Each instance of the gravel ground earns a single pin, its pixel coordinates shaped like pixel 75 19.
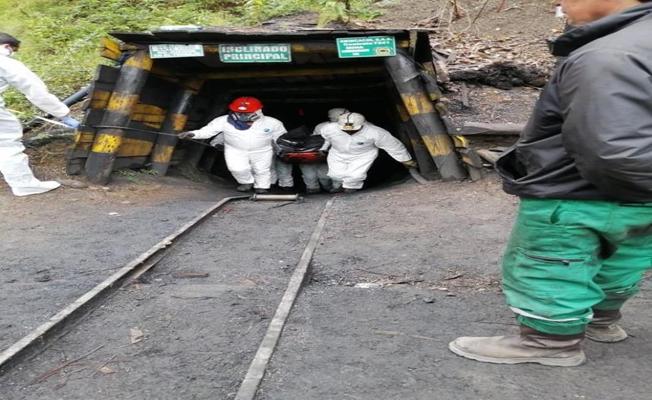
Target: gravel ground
pixel 58 245
pixel 199 333
pixel 398 274
pixel 375 323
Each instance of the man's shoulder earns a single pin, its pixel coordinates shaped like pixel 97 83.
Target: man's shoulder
pixel 8 62
pixel 634 37
pixel 375 130
pixel 271 123
pixel 329 128
pixel 605 58
pixel 633 40
pixel 219 120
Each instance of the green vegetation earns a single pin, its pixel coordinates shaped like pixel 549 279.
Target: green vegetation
pixel 60 39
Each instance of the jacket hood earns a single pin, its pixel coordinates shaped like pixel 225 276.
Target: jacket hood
pixel 581 35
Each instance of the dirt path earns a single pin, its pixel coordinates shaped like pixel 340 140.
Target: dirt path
pixel 388 296
pixel 58 245
pixel 398 274
pixel 199 334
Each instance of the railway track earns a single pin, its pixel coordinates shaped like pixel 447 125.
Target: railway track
pixel 73 316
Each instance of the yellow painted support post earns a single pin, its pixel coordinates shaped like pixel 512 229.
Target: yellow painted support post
pixel 426 119
pixel 174 123
pixel 124 98
pixel 427 167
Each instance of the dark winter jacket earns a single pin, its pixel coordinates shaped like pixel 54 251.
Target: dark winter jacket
pixel 590 136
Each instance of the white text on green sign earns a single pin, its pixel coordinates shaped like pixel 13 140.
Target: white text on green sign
pixel 368 46
pixel 256 53
pixel 175 50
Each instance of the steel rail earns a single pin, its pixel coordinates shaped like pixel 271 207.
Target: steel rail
pixel 39 336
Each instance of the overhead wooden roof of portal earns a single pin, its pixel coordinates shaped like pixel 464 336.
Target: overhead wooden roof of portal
pixel 214 35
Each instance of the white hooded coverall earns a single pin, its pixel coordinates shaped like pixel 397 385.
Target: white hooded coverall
pixel 315 174
pixel 248 153
pixel 14 164
pixel 351 156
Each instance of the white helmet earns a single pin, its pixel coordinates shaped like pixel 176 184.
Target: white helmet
pixel 351 122
pixel 334 113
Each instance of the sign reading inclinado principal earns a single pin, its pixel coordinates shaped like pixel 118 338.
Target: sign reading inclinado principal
pixel 256 53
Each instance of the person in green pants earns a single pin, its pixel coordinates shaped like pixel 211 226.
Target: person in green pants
pixel 582 240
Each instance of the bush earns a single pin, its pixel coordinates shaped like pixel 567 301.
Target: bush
pixel 60 39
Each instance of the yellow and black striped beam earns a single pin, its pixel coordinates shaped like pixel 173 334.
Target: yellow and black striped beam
pixel 174 123
pixel 421 110
pixel 119 109
pixel 427 166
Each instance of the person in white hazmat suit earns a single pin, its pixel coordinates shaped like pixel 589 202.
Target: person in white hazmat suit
pixel 315 176
pixel 354 145
pixel 14 164
pixel 248 137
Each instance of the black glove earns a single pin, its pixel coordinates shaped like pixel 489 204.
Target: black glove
pixel 186 135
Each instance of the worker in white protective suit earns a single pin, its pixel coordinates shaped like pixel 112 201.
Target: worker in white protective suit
pixel 354 145
pixel 315 176
pixel 248 137
pixel 14 164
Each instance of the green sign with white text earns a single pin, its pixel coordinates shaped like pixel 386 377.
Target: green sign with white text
pixel 256 53
pixel 368 46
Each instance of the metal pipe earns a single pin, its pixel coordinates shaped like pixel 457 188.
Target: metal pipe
pixel 74 98
pixel 275 197
pixel 417 176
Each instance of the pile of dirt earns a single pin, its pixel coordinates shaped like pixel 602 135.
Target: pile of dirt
pixel 503 63
pixel 484 41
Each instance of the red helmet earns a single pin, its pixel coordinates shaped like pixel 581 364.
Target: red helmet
pixel 245 105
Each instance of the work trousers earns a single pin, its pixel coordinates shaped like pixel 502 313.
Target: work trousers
pixel 315 174
pixel 250 167
pixel 350 171
pixel 14 164
pixel 282 173
pixel 566 258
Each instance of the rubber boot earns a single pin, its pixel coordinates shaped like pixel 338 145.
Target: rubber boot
pixel 604 327
pixel 530 346
pixel 261 191
pixel 244 187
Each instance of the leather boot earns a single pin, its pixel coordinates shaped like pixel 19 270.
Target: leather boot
pixel 530 346
pixel 604 327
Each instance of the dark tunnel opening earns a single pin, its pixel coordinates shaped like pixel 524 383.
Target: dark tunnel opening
pixel 297 104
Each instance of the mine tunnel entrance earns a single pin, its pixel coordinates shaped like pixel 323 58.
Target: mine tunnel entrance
pixel 169 82
pixel 307 104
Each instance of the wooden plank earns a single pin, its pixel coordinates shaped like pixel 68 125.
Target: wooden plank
pixel 479 128
pixel 284 73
